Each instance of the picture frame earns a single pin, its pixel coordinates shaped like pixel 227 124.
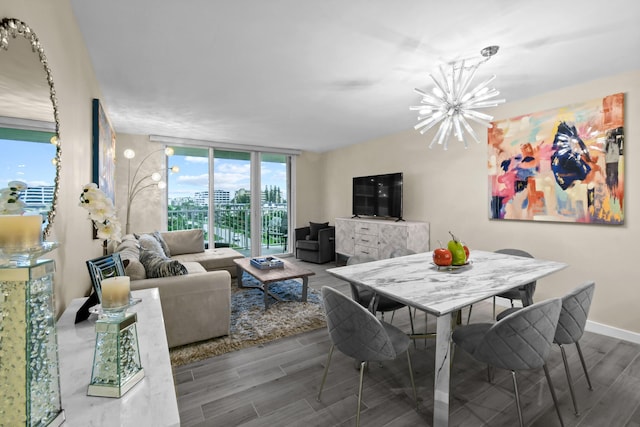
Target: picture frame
pixel 104 151
pixel 564 164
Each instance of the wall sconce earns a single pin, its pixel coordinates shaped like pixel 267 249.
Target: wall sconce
pixel 136 184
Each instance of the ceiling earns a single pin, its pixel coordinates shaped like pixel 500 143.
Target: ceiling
pixel 321 74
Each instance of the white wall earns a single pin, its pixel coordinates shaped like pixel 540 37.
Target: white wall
pixel 450 190
pixel 76 86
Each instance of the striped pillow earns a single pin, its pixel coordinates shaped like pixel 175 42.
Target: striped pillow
pixel 156 265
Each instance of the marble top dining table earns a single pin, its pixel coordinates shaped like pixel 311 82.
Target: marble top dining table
pixel 415 281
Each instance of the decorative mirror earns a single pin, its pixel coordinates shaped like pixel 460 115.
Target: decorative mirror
pixel 28 123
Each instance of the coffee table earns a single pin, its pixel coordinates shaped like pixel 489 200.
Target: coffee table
pixel 266 277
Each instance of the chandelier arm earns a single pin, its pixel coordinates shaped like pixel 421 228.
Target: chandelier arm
pixel 447 89
pixel 487 104
pixel 443 98
pixel 458 129
pixel 447 133
pixel 468 80
pixel 430 122
pixel 478 115
pixel 469 129
pixel 437 135
pixel 480 121
pixel 478 88
pixel 456 82
pixel 491 93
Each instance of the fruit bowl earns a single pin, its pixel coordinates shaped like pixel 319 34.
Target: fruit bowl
pixel 452 267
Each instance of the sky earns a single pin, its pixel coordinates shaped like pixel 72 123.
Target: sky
pixel 35 168
pixel 230 175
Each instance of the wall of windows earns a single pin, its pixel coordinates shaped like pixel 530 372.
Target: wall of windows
pixel 240 198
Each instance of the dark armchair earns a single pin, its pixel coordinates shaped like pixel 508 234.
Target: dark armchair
pixel 316 243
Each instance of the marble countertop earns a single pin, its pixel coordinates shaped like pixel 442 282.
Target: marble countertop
pixel 151 402
pixel 416 281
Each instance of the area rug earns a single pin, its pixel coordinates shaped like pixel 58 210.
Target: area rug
pixel 251 325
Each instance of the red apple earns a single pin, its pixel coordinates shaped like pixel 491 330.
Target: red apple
pixel 442 257
pixel 466 251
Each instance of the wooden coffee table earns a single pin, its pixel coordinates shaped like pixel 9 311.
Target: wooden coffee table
pixel 266 277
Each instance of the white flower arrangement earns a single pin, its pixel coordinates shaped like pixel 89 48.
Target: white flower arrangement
pixel 10 203
pixel 101 212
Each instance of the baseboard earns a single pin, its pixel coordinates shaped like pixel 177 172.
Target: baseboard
pixel 595 327
pixel 613 332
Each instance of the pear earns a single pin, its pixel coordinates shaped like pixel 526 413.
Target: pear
pixel 457 251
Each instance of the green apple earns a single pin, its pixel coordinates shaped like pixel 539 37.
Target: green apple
pixel 457 251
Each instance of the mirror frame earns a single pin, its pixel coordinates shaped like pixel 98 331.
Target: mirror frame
pixel 11 28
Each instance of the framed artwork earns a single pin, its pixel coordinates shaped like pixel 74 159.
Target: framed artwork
pixel 104 151
pixel 564 164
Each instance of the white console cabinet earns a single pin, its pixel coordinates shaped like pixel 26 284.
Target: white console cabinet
pixel 378 238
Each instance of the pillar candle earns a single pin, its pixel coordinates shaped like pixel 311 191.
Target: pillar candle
pixel 115 292
pixel 20 231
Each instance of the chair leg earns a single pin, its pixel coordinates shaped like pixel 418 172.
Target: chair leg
pixel 494 308
pixel 469 315
pixel 413 384
pixel 362 365
pixel 584 365
pixel 412 330
pixel 326 369
pixel 515 389
pixel 569 380
pixel 553 393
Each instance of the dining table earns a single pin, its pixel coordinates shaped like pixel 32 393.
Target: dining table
pixel 416 281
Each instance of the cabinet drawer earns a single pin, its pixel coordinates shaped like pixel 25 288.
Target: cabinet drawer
pixel 366 251
pixel 366 240
pixel 366 228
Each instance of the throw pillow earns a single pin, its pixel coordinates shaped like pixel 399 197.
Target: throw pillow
pixel 314 227
pixel 158 266
pixel 150 243
pixel 162 242
pixel 129 251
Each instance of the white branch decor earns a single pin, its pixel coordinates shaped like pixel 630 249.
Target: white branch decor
pixel 452 104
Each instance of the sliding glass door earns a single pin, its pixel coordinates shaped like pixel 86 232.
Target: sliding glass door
pixel 241 196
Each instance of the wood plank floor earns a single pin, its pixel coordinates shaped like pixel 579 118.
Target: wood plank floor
pixel 276 384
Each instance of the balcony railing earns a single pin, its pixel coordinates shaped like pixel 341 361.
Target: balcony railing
pixel 232 225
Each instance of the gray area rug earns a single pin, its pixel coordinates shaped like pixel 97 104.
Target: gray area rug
pixel 252 325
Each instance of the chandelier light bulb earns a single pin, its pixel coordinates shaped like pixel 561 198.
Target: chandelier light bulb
pixel 129 153
pixel 452 104
pixel 175 169
pixel 168 151
pixel 162 185
pixel 156 176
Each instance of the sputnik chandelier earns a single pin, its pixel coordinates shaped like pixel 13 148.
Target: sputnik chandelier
pixel 452 104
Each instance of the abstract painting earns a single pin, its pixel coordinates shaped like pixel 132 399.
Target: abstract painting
pixel 104 151
pixel 564 164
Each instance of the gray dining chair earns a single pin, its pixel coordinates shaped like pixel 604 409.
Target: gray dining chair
pixel 364 296
pixel 357 333
pixel 520 341
pixel 523 293
pixel 571 324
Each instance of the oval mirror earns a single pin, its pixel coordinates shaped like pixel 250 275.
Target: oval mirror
pixel 29 126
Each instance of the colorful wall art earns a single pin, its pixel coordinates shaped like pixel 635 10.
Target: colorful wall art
pixel 564 164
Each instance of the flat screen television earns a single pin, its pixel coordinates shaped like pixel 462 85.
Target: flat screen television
pixel 378 195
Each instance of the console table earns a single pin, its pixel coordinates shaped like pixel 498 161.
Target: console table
pixel 150 402
pixel 377 238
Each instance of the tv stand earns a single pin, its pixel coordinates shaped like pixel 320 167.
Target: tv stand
pixel 378 239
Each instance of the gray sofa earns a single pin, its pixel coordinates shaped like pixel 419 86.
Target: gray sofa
pixel 195 306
